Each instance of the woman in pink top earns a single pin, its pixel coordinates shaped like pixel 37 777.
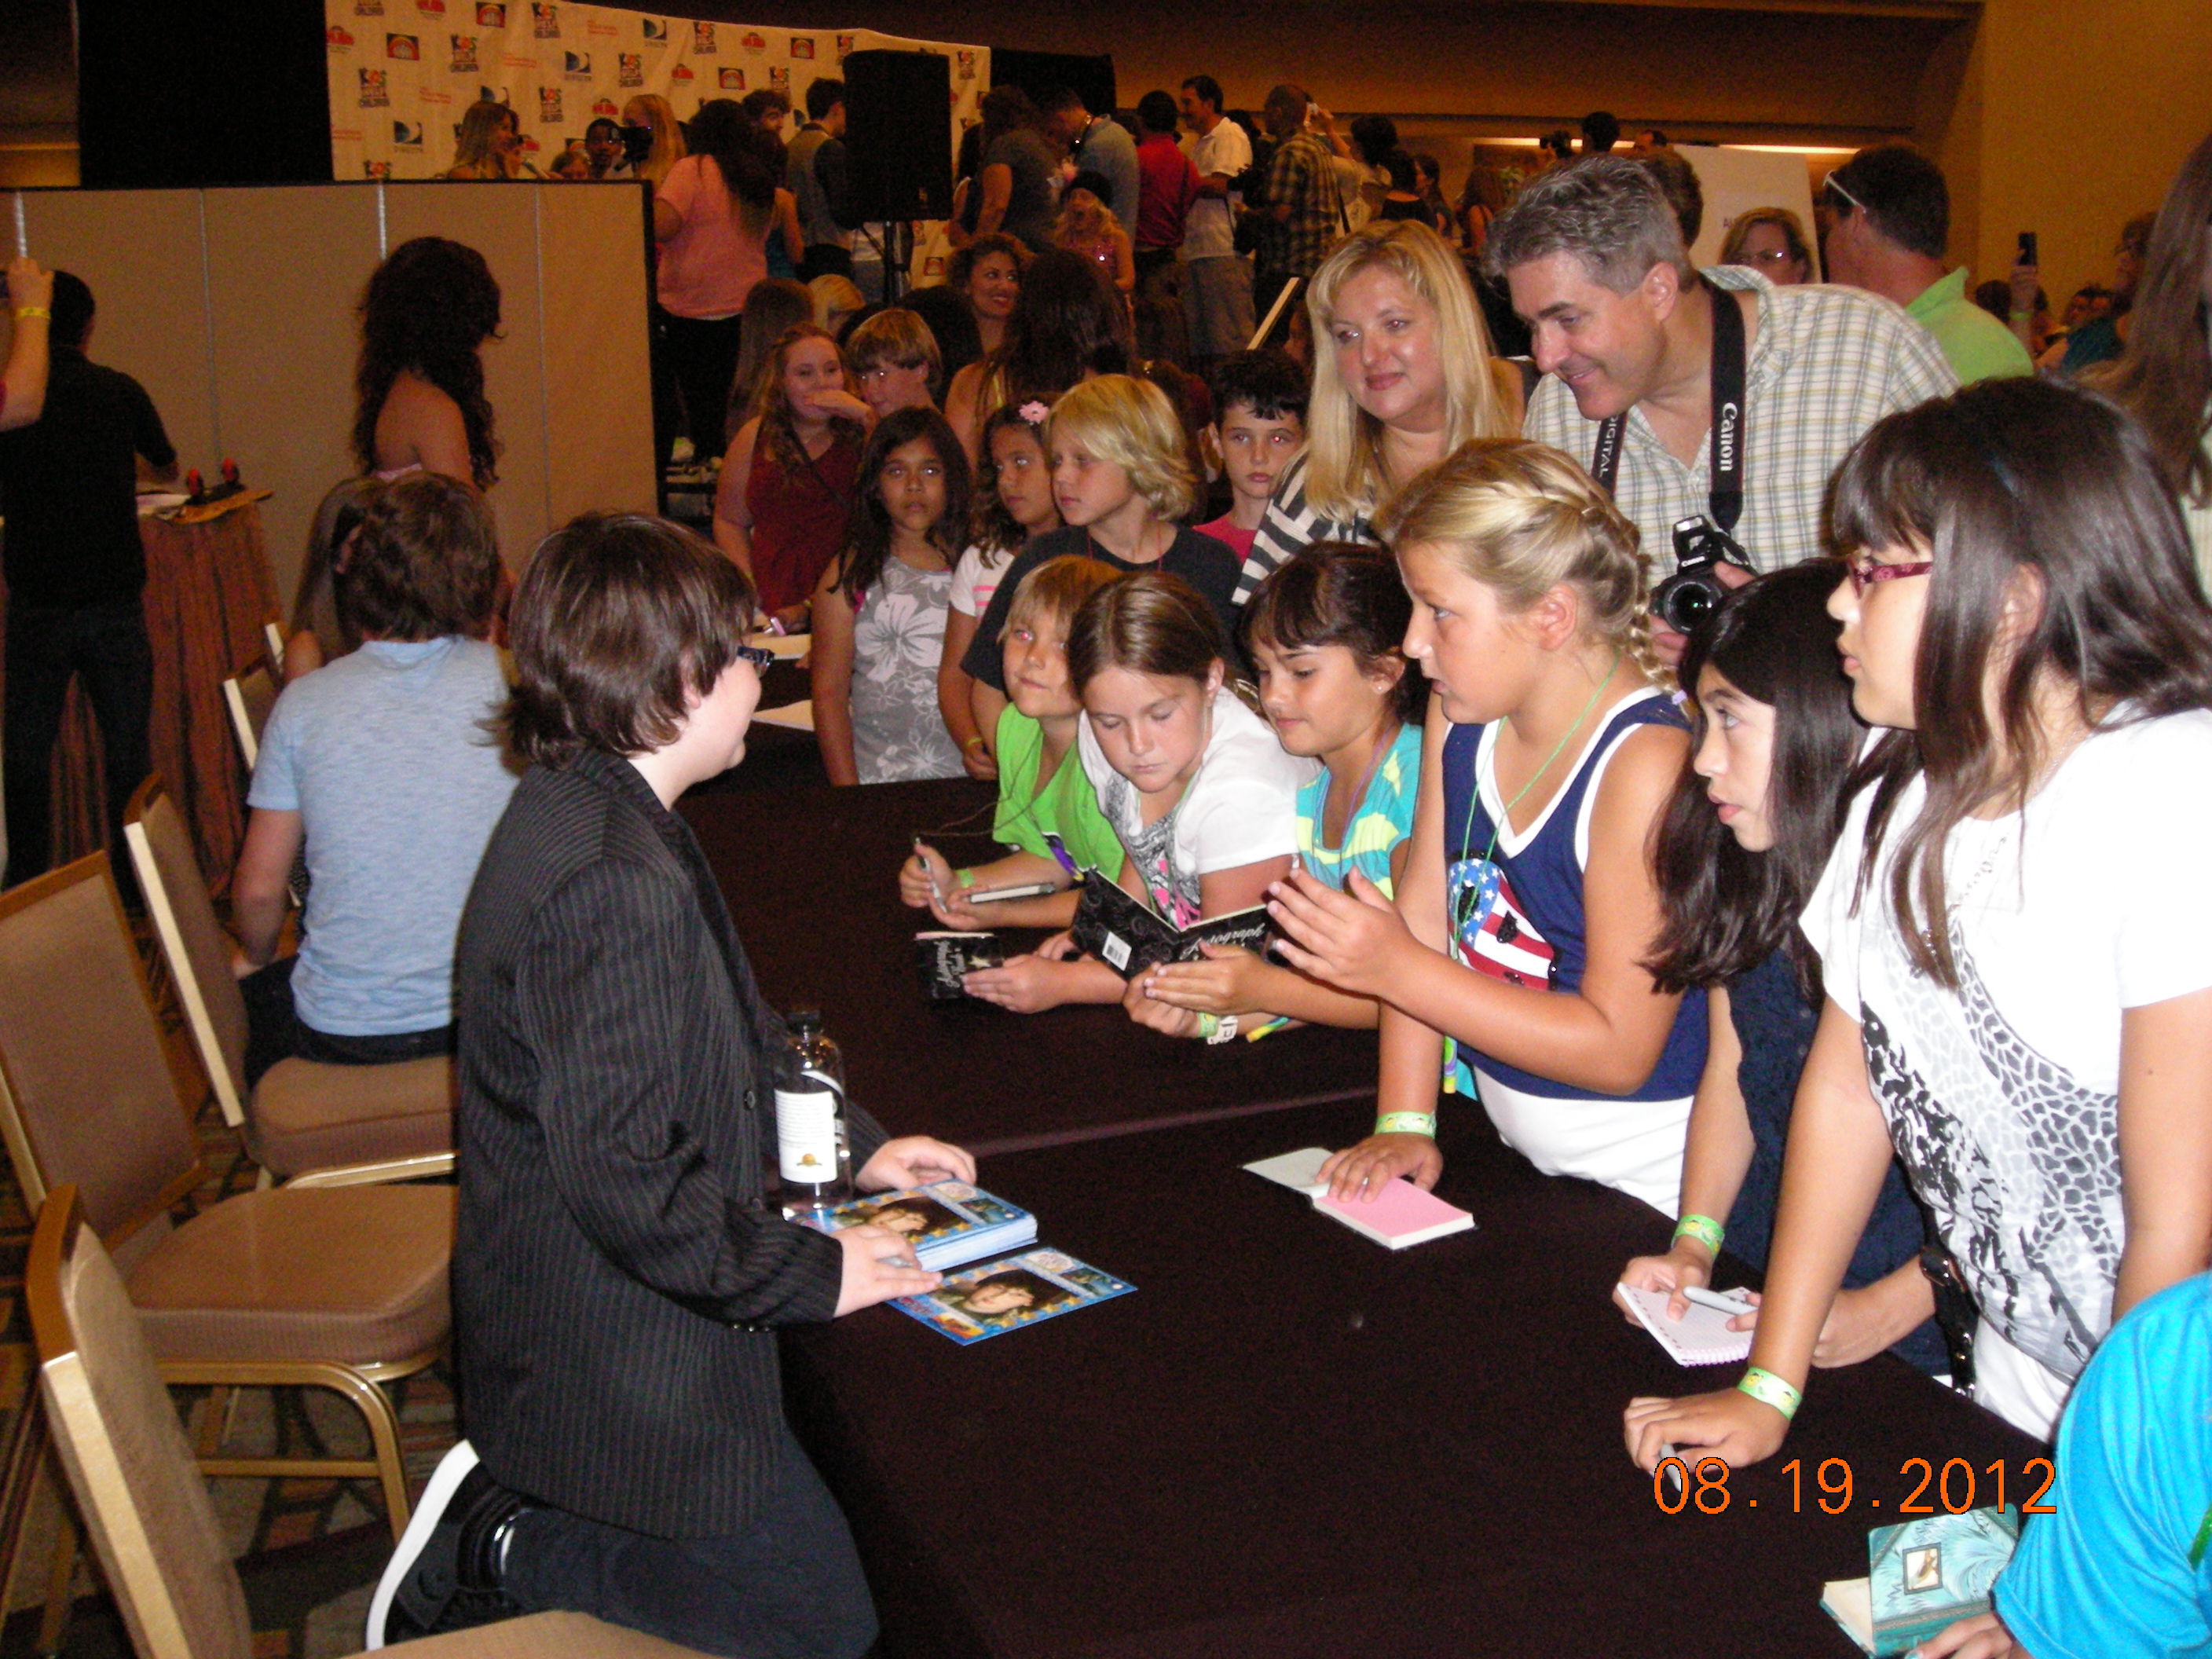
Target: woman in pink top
pixel 711 218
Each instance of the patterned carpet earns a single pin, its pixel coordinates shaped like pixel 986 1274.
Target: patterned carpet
pixel 308 1551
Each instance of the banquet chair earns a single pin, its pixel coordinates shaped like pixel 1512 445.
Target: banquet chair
pixel 250 694
pixel 330 1124
pixel 341 1288
pixel 152 1526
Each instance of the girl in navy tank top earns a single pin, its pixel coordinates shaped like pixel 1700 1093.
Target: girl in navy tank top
pixel 1512 966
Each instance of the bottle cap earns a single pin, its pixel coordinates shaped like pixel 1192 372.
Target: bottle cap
pixel 805 1019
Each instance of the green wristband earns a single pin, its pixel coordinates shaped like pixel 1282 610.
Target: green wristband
pixel 1407 1123
pixel 1702 1228
pixel 966 878
pixel 1768 1389
pixel 1208 1024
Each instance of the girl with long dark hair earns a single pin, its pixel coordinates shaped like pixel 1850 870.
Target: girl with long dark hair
pixel 879 610
pixel 431 305
pixel 1752 822
pixel 2015 929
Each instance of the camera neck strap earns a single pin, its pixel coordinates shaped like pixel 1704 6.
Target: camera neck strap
pixel 1726 459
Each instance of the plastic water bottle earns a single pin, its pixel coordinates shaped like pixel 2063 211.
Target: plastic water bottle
pixel 813 1154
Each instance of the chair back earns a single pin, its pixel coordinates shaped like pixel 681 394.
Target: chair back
pixel 144 1503
pixel 250 695
pixel 86 1097
pixel 193 940
pixel 272 632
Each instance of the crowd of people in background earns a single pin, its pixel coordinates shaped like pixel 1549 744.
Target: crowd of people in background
pixel 1842 906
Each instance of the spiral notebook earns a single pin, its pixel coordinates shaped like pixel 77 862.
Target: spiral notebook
pixel 1699 1337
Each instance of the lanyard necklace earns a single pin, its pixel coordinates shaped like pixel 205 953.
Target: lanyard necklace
pixel 1351 807
pixel 1474 799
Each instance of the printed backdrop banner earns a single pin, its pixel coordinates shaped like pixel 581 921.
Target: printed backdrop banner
pixel 403 72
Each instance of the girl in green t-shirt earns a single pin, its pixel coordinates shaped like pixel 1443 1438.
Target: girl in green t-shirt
pixel 1040 795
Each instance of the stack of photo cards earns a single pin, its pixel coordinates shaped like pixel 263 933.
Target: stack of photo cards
pixel 951 1224
pixel 1922 1576
pixel 996 1297
pixel 1401 1216
pixel 1700 1337
pixel 948 1223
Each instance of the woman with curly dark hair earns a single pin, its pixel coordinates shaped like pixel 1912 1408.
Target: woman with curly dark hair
pixel 429 306
pixel 1067 325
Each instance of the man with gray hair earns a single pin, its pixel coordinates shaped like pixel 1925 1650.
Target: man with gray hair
pixel 1690 393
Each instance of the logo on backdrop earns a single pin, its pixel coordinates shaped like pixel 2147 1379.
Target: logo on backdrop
pixel 548 106
pixel 375 169
pixel 369 8
pixel 802 45
pixel 405 47
pixel 654 31
pixel 593 26
pixel 608 107
pixel 629 69
pixel 755 43
pixel 733 80
pixel 967 60
pixel 491 17
pixel 934 265
pixel 683 72
pixel 702 38
pixel 424 95
pixel 545 21
pixel 464 55
pixel 431 8
pixel 576 65
pixel 336 38
pixel 407 135
pixel 846 45
pixel 375 88
pixel 780 78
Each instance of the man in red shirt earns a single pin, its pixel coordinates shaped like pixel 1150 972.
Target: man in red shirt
pixel 1167 184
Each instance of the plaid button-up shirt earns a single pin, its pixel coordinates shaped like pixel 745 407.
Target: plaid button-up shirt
pixel 1825 364
pixel 1302 176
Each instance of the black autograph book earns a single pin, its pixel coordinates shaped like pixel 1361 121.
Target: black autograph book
pixel 1129 938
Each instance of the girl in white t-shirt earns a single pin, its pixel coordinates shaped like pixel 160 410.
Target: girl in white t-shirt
pixel 1012 502
pixel 2015 930
pixel 1203 798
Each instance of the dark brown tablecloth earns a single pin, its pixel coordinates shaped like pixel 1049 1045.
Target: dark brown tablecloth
pixel 209 590
pixel 1291 1442
pixel 811 878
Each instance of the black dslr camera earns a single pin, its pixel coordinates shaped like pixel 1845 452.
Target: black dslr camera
pixel 1694 592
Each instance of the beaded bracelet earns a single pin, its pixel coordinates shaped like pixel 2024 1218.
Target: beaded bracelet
pixel 1407 1123
pixel 1768 1389
pixel 1702 1228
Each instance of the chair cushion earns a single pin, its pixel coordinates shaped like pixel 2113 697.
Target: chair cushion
pixel 355 1275
pixel 309 1116
pixel 545 1636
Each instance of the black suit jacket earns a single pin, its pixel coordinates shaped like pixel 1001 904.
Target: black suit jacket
pixel 616 1276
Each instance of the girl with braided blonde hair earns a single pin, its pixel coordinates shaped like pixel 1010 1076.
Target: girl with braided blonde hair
pixel 1512 965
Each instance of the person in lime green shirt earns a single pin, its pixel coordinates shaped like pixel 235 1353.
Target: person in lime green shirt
pixel 1042 798
pixel 1889 217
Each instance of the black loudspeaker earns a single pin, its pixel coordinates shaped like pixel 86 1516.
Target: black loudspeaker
pixel 898 135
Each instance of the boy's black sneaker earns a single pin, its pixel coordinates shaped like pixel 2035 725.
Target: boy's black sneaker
pixel 445 1573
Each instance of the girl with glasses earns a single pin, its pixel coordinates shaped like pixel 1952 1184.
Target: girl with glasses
pixel 2015 929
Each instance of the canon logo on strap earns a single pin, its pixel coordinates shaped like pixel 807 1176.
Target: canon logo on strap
pixel 1725 430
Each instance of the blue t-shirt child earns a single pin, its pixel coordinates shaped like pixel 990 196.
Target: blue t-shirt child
pixel 2120 1569
pixel 1381 819
pixel 387 758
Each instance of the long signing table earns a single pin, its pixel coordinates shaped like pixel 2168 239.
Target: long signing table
pixel 1291 1442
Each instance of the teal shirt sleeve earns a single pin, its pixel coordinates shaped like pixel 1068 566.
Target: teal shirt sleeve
pixel 2108 1574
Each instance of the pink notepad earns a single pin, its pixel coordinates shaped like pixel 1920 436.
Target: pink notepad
pixel 1400 1216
